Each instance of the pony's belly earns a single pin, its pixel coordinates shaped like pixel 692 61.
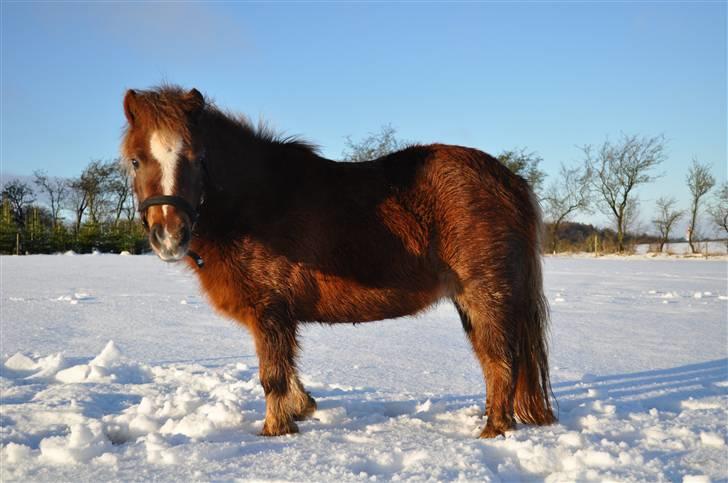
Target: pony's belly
pixel 341 300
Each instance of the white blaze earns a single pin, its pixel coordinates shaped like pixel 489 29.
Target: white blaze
pixel 165 149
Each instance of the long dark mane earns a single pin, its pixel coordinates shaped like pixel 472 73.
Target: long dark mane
pixel 261 131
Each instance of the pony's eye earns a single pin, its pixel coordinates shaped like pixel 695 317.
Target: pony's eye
pixel 135 163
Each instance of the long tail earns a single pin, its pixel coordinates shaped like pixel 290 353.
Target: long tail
pixel 532 403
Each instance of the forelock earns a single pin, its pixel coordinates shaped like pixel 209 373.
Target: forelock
pixel 163 109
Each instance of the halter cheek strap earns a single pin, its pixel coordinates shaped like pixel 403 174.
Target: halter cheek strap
pixel 179 203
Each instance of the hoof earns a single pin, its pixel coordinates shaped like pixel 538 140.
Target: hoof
pixel 308 410
pixel 492 431
pixel 279 429
pixel 489 433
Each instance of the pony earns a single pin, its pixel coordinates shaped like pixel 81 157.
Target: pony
pixel 280 236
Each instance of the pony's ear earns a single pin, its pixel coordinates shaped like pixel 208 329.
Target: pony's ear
pixel 130 106
pixel 195 102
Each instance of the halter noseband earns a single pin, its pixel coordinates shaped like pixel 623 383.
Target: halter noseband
pixel 179 203
pixel 176 201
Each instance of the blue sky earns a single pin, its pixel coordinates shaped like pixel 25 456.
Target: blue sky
pixel 546 76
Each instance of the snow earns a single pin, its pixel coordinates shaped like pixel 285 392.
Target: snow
pixel 115 367
pixel 683 248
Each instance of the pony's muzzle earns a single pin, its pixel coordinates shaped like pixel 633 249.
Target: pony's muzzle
pixel 170 246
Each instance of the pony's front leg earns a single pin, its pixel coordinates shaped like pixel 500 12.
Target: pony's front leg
pixel 275 342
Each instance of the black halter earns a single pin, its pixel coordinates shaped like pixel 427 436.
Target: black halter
pixel 176 201
pixel 179 203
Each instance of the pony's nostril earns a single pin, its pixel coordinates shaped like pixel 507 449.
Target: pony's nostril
pixel 157 233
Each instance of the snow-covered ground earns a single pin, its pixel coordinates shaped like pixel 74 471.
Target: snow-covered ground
pixel 683 248
pixel 639 365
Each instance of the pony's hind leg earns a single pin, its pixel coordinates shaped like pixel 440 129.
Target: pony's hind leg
pixel 486 325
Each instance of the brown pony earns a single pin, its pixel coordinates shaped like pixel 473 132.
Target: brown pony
pixel 287 236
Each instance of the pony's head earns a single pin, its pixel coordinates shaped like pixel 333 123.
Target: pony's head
pixel 163 152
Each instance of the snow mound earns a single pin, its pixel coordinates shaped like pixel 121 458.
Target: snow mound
pixel 43 367
pixel 108 366
pixel 21 362
pixel 85 441
pixel 712 439
pixel 109 356
pixel 75 298
pixel 696 479
pixel 15 453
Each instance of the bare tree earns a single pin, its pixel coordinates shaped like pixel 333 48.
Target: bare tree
pixel 525 164
pixel 718 210
pixel 77 200
pixel 667 216
pixel 632 222
pixel 55 188
pixel 119 187
pixel 565 196
pixel 374 146
pixel 700 181
pixel 19 195
pixel 617 169
pixel 130 207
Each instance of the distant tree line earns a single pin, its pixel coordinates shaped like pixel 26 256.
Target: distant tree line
pixel 100 203
pixel 102 210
